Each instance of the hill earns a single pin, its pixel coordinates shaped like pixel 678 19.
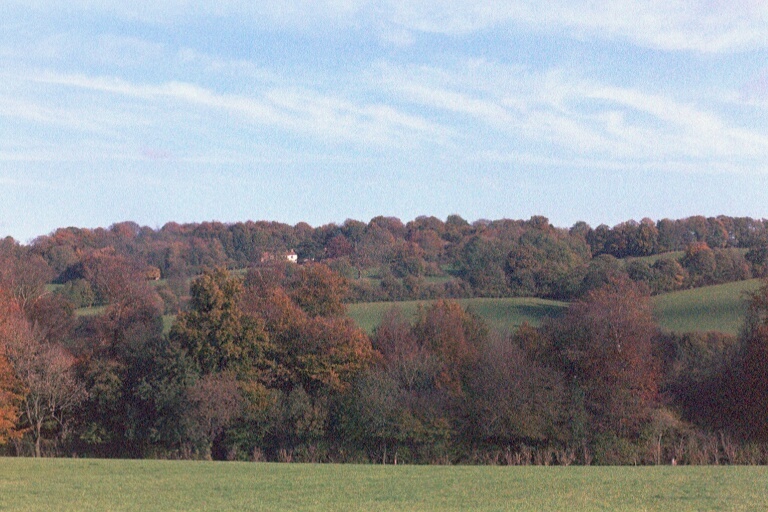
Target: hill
pixel 710 308
pixel 504 314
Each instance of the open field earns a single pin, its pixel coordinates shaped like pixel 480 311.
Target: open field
pixel 86 484
pixel 502 314
pixel 711 308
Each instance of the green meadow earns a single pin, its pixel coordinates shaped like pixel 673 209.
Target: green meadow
pixel 504 314
pixel 117 485
pixel 711 308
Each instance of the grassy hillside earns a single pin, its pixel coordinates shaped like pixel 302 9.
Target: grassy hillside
pixel 502 314
pixel 711 308
pixel 84 485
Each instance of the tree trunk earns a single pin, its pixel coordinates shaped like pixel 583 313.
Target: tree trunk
pixel 38 451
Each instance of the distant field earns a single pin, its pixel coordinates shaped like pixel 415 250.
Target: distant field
pixel 117 485
pixel 711 308
pixel 677 255
pixel 502 314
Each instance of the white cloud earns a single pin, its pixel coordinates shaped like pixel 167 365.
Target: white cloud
pixel 114 109
pixel 574 117
pixel 713 26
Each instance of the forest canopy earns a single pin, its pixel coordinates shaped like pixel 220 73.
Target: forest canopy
pixel 232 341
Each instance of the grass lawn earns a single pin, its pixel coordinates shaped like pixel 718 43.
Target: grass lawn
pixel 84 484
pixel 502 314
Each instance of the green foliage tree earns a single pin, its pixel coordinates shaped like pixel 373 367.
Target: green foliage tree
pixel 758 259
pixel 547 264
pixel 481 264
pixel 668 275
pixel 215 332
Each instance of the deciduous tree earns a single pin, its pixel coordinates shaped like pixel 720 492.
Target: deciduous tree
pixel 606 338
pixel 215 332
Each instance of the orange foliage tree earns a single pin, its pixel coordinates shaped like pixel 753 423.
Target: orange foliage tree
pixel 11 390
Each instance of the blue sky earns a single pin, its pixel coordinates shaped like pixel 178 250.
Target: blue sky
pixel 320 111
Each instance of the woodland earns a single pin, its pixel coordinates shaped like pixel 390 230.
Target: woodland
pixel 202 341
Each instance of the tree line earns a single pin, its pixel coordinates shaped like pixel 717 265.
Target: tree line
pixel 264 364
pixel 427 258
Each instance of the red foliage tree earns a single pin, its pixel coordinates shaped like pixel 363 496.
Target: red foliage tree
pixel 453 335
pixel 317 289
pixel 606 338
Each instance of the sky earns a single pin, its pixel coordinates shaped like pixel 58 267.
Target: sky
pixel 326 110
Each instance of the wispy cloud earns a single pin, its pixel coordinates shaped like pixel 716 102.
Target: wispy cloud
pixel 110 106
pixel 581 117
pixel 559 113
pixel 714 26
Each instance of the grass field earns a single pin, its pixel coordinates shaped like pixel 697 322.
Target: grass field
pixel 711 308
pixel 83 484
pixel 502 314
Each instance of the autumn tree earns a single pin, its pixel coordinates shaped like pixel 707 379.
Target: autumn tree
pixel 11 389
pixel 317 289
pixel 11 397
pixel 606 342
pixel 514 399
pixel 700 263
pixel 753 391
pixel 52 390
pixel 46 374
pixel 22 273
pixel 453 335
pixel 44 371
pixel 316 352
pixel 215 332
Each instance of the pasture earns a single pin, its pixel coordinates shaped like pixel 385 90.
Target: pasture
pixel 504 314
pixel 88 484
pixel 711 308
